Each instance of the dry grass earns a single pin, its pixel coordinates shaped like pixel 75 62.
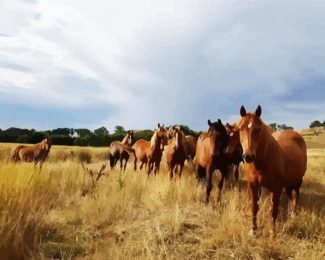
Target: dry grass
pixel 127 215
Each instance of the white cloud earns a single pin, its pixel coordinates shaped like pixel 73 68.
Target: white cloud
pixel 172 61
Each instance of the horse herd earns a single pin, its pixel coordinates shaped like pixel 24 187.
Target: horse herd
pixel 274 160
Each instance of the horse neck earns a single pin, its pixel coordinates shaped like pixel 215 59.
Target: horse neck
pixel 125 139
pixel 266 148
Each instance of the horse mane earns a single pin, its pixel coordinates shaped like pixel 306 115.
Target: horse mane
pixel 153 140
pixel 124 140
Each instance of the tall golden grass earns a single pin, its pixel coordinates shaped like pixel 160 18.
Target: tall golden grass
pixel 128 215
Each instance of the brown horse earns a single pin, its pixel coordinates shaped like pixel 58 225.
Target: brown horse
pixel 190 142
pixel 234 150
pixel 176 152
pixel 273 160
pixel 32 153
pixel 210 155
pixel 150 152
pixel 121 151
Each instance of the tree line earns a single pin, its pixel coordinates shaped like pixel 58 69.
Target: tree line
pixel 317 123
pixel 78 137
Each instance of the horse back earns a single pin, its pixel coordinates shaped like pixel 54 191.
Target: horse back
pixel 141 149
pixel 294 151
pixel 190 145
pixel 204 150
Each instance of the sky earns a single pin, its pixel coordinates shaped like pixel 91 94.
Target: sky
pixel 86 64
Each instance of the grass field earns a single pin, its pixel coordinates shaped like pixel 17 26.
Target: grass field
pixel 127 215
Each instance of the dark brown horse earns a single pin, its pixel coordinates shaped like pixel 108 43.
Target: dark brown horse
pixel 121 151
pixel 234 150
pixel 150 152
pixel 176 151
pixel 273 160
pixel 210 155
pixel 32 153
pixel 190 142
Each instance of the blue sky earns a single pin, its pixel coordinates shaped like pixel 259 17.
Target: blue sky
pixel 85 63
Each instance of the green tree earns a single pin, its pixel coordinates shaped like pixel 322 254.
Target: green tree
pixel 102 131
pixel 83 132
pixel 273 126
pixel 316 123
pixel 119 129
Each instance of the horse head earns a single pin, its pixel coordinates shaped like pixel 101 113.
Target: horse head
pixel 250 126
pixel 218 132
pixel 160 137
pixel 129 137
pixel 233 140
pixel 46 145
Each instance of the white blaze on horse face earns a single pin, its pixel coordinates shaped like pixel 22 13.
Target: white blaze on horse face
pixel 231 134
pixel 130 140
pixel 177 143
pixel 250 124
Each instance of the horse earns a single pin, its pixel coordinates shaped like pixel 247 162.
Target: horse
pixel 121 151
pixel 210 155
pixel 234 150
pixel 150 152
pixel 176 151
pixel 272 160
pixel 32 153
pixel 190 142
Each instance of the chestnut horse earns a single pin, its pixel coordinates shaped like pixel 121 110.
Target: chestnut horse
pixel 210 155
pixel 190 142
pixel 176 151
pixel 150 152
pixel 234 150
pixel 121 151
pixel 32 153
pixel 273 160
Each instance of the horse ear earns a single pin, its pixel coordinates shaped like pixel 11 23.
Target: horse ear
pixel 258 111
pixel 219 121
pixel 173 128
pixel 209 122
pixel 227 125
pixel 242 111
pixel 158 125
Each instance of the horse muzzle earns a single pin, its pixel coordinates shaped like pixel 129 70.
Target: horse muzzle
pixel 249 158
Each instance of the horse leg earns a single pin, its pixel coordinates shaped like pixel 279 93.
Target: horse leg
pixel 181 165
pixel 171 170
pixel 111 161
pixel 121 163
pixel 126 161
pixel 220 186
pixel 209 183
pixel 275 195
pixel 254 190
pixel 296 196
pixel 200 173
pixel 142 163
pixel 150 167
pixel 236 172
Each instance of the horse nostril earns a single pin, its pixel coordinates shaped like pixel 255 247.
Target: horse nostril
pixel 248 158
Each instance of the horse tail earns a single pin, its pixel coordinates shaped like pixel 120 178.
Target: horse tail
pixel 15 154
pixel 111 160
